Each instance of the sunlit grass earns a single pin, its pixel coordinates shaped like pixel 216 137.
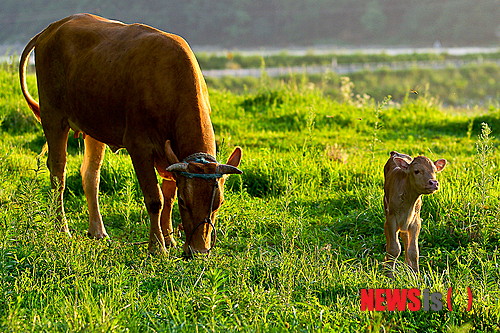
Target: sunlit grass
pixel 300 233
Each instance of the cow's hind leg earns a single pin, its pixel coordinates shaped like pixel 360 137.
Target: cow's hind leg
pixel 56 134
pixel 168 189
pixel 90 170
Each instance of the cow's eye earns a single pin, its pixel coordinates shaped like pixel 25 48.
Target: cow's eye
pixel 417 172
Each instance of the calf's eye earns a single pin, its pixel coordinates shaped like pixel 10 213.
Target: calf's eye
pixel 417 172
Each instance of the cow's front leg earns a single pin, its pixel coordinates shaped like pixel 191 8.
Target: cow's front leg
pixel 145 171
pixel 90 170
pixel 168 189
pixel 393 248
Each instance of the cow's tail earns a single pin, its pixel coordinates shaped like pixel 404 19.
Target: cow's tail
pixel 23 63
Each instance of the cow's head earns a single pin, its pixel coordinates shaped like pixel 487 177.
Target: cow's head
pixel 200 192
pixel 422 173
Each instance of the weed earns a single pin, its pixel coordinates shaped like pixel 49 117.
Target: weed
pixel 346 86
pixel 129 196
pixel 36 211
pixel 485 151
pixel 310 129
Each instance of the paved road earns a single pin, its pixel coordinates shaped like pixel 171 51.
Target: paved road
pixel 344 68
pixel 339 69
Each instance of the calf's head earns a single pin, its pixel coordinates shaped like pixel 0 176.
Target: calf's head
pixel 200 192
pixel 421 173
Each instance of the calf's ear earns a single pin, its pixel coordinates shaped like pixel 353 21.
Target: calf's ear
pixel 400 162
pixel 440 164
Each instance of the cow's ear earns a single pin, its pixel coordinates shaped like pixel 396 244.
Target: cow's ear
pixel 171 157
pixel 400 162
pixel 235 158
pixel 440 164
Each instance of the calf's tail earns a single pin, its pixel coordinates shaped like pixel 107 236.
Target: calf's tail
pixel 23 63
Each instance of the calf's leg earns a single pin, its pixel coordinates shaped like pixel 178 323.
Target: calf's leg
pixel 393 248
pixel 411 252
pixel 404 238
pixel 90 170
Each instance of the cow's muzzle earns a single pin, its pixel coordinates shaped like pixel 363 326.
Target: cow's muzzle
pixel 207 220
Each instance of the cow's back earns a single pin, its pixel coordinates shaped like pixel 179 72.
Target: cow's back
pixel 123 75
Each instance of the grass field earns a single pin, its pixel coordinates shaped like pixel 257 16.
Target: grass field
pixel 299 236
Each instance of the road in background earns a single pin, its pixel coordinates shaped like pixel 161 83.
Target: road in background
pixel 320 50
pixel 340 69
pixel 344 69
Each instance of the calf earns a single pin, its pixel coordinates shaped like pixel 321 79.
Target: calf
pixel 406 179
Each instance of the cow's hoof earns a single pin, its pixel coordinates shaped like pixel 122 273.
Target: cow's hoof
pixel 99 235
pixel 170 242
pixel 157 251
pixel 187 255
pixel 190 253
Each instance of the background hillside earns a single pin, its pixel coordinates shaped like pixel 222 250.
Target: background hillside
pixel 239 23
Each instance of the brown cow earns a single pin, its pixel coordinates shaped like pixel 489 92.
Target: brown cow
pixel 406 179
pixel 133 87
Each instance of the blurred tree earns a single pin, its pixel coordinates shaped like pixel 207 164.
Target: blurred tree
pixel 463 21
pixel 233 23
pixel 374 19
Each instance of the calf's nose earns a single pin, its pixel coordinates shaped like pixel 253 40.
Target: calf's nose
pixel 433 183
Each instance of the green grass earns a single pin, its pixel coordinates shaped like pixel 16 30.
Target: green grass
pixel 469 86
pixel 300 233
pixel 284 59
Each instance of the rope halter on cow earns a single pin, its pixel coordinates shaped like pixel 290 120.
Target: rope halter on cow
pixel 183 169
